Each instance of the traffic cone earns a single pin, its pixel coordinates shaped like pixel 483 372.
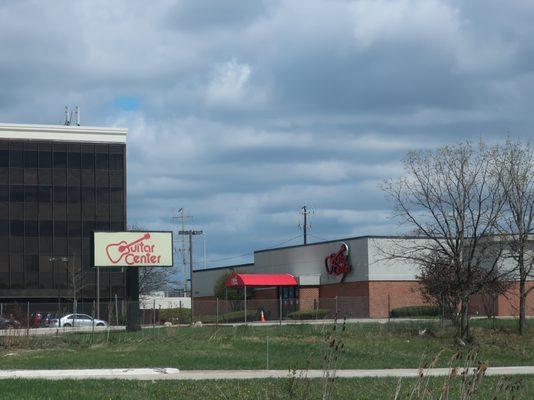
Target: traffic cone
pixel 262 317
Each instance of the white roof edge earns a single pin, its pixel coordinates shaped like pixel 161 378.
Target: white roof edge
pixel 63 132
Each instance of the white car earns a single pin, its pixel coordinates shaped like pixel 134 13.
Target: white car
pixel 70 320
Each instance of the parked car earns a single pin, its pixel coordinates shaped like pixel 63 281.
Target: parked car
pixel 9 323
pixel 47 321
pixel 77 320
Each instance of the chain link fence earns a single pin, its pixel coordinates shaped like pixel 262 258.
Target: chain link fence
pixel 33 318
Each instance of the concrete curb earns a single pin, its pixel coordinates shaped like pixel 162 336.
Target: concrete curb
pixel 175 374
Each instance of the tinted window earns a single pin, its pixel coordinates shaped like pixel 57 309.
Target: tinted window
pixel 31 263
pixel 46 228
pixel 45 194
pixel 4 193
pixel 16 158
pixel 60 159
pixel 88 194
pixel 74 195
pixel 45 159
pixel 4 227
pixel 101 161
pixel 75 229
pixel 60 194
pixel 102 195
pixel 17 228
pixel 17 193
pixel 74 160
pixel 4 158
pixel 31 228
pixel 31 194
pixel 88 160
pixel 115 196
pixel 60 228
pixel 30 159
pixel 115 162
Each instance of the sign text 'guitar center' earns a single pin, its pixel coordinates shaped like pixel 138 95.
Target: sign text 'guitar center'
pixel 132 249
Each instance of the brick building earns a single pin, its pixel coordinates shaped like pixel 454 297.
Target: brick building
pixel 372 286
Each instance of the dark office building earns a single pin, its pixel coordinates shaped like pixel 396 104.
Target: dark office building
pixel 57 185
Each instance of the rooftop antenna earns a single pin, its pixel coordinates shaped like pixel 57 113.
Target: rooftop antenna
pixel 67 116
pixel 77 116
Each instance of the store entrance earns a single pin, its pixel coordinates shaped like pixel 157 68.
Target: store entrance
pixel 290 299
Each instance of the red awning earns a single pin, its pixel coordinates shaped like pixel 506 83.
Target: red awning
pixel 261 280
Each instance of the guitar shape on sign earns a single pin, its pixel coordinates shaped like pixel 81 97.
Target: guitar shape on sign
pixel 116 251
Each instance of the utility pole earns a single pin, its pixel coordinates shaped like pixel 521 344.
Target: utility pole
pixel 190 233
pixel 182 217
pixel 305 213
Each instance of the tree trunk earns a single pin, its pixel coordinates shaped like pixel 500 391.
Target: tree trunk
pixel 522 305
pixel 464 319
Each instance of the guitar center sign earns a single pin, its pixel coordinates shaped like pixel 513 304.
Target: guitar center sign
pixel 132 249
pixel 338 263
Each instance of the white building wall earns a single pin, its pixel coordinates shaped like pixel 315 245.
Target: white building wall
pixel 63 133
pixel 383 269
pixel 310 260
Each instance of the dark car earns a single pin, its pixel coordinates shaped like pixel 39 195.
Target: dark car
pixel 9 323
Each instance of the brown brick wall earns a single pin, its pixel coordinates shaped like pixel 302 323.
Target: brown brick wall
pixel 401 294
pixel 308 297
pixel 368 299
pixel 352 299
pixel 347 289
pixel 508 304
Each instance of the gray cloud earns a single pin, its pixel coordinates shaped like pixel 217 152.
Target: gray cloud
pixel 246 110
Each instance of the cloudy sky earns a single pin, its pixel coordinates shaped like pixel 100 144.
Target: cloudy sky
pixel 242 111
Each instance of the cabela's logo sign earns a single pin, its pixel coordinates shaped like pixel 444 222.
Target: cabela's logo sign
pixel 140 249
pixel 338 263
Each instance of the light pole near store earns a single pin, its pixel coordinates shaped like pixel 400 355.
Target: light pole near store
pixel 190 233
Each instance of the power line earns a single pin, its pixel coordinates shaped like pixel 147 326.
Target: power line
pixel 252 253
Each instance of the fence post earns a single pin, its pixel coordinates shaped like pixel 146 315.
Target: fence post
pixel 267 341
pixel 28 319
pixel 154 317
pixel 245 304
pixel 494 311
pixel 93 335
pixel 336 307
pixel 217 317
pixel 389 309
pixel 280 306
pixel 116 310
pixel 2 309
pixel 442 312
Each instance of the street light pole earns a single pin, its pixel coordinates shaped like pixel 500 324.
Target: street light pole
pixel 190 233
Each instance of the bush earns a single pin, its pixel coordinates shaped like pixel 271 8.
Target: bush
pixel 234 316
pixel 308 314
pixel 175 315
pixel 415 311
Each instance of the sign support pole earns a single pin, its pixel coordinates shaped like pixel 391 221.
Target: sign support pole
pixel 98 293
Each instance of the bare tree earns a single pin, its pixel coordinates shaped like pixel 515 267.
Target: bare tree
pixel 518 219
pixel 153 279
pixel 452 199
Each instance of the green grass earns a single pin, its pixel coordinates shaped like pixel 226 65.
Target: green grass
pixel 354 389
pixel 301 346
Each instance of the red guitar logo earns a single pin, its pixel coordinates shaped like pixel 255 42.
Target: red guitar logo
pixel 116 251
pixel 338 263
